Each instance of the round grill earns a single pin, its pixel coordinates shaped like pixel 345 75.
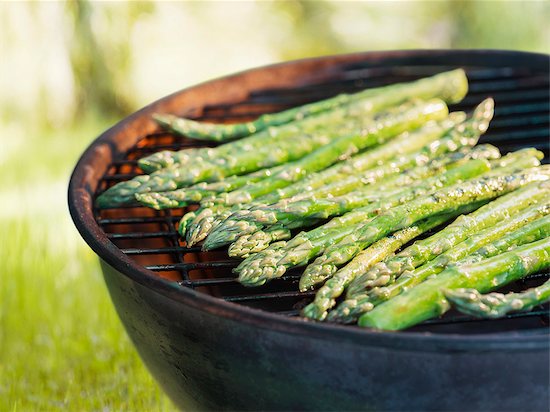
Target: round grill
pixel 214 344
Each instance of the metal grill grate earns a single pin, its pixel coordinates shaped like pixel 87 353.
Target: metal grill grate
pixel 150 237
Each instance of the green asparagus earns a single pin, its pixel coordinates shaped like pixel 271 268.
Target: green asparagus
pixel 463 134
pixel 376 131
pixel 333 288
pixel 301 249
pixel 354 306
pixel 414 148
pixel 427 300
pixel 451 86
pixel 255 242
pixel 201 191
pixel 463 249
pixel 199 170
pixel 425 250
pixel 276 144
pixel 487 187
pixel 322 205
pixel 301 213
pixel 252 235
pixel 458 135
pixel 497 305
pixel 531 232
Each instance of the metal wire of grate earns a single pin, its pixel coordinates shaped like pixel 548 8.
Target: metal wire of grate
pixel 150 237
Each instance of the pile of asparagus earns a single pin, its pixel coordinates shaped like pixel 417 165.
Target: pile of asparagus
pixel 345 186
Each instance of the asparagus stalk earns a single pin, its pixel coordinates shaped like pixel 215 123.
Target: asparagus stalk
pixel 245 160
pixel 301 249
pixel 463 134
pixel 463 249
pixel 497 305
pixel 354 306
pixel 415 148
pixel 334 122
pixel 325 128
pixel 375 131
pixel 322 206
pixel 169 158
pixel 339 227
pixel 261 150
pixel 425 250
pixel 300 213
pixel 243 223
pixel 458 135
pixel 452 86
pixel 255 242
pixel 487 187
pixel 427 300
pixel 511 163
pixel 201 191
pixel 531 232
pixel 325 297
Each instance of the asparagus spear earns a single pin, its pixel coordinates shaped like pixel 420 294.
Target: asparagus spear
pixel 427 249
pixel 452 86
pixel 340 227
pixel 415 147
pixel 427 300
pixel 487 187
pixel 241 161
pixel 326 295
pixel 497 305
pixel 334 122
pixel 391 123
pixel 323 267
pixel 255 242
pixel 252 237
pixel 167 158
pixel 376 130
pixel 463 249
pixel 463 134
pixel 325 127
pixel 251 234
pixel 301 249
pixel 261 150
pixel 458 135
pixel 323 206
pixel 361 134
pixel 531 232
pixel 246 224
pixel 201 191
pixel 354 306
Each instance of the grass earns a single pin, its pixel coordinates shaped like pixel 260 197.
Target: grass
pixel 62 346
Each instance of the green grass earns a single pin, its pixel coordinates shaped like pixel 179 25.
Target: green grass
pixel 62 346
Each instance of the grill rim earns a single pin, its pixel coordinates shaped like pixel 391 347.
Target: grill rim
pixel 112 144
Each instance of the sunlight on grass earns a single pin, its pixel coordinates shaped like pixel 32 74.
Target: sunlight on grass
pixel 62 344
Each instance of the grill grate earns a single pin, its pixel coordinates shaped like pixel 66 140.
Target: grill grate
pixel 150 237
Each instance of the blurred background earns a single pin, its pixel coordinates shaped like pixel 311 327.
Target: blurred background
pixel 69 70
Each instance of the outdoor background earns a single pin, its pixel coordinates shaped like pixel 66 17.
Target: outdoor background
pixel 70 70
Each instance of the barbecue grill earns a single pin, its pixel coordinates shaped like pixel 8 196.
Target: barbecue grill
pixel 214 344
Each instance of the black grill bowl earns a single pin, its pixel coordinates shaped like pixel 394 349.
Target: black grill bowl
pixel 214 345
